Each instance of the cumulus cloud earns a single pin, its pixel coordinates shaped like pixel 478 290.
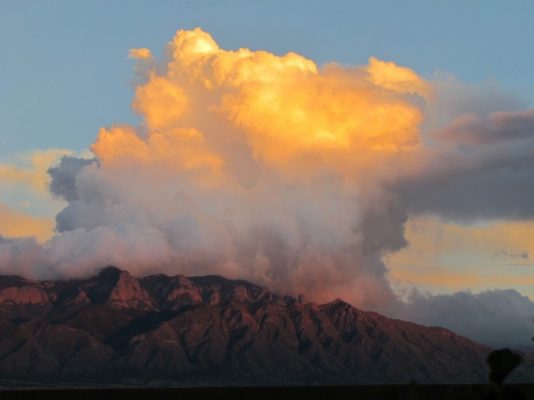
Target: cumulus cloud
pixel 248 164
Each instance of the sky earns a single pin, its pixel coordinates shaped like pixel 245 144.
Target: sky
pixel 377 151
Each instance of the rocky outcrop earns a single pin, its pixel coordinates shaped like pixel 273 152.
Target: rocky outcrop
pixel 24 295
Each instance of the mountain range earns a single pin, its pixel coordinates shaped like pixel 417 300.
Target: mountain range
pixel 116 328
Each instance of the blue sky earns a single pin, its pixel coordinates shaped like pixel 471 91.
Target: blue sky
pixel 64 71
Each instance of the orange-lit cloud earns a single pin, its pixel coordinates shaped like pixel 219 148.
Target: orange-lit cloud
pixel 454 281
pixel 161 102
pixel 446 256
pixel 16 224
pixel 140 53
pixel 168 151
pixel 400 79
pixel 284 107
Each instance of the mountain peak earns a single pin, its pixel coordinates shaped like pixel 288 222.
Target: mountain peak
pixel 338 303
pixel 119 289
pixel 110 272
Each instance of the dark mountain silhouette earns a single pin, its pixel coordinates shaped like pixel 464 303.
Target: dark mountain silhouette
pixel 209 330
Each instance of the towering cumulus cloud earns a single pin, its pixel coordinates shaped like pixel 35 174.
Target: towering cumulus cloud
pixel 268 168
pixel 247 164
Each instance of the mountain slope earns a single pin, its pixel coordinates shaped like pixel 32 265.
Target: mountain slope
pixel 212 330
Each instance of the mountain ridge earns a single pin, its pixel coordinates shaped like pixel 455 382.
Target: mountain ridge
pixel 213 330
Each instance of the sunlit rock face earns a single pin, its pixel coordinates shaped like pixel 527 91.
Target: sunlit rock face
pixel 114 327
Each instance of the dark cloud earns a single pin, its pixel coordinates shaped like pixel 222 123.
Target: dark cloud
pixel 63 177
pixel 495 317
pixel 478 168
pixel 497 127
pixel 4 240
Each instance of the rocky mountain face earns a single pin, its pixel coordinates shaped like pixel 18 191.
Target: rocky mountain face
pixel 210 330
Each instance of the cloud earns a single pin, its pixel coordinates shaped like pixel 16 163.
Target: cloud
pixel 30 169
pixel 498 127
pixel 247 164
pixel 479 167
pixel 394 77
pixel 453 99
pixel 503 253
pixel 16 224
pixel 446 256
pixel 140 53
pixel 24 183
pixel 63 177
pixel 494 317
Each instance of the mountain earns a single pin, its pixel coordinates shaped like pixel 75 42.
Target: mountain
pixel 213 331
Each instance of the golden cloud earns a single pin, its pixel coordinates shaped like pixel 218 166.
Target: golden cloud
pixel 16 224
pixel 284 108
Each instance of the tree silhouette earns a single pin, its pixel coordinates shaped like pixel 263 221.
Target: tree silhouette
pixel 501 363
